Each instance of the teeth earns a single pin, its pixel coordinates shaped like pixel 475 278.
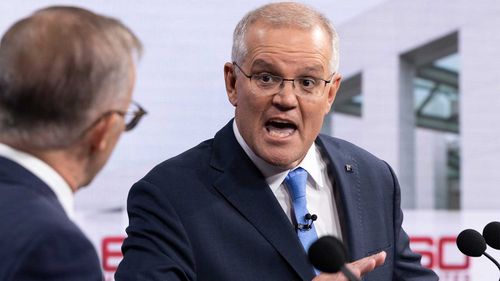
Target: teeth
pixel 279 121
pixel 280 132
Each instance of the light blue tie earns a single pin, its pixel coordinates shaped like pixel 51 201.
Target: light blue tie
pixel 296 183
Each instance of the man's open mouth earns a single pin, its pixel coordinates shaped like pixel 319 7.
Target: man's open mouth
pixel 280 128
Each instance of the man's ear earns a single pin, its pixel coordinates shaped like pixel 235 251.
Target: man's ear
pixel 230 81
pixel 332 93
pixel 98 137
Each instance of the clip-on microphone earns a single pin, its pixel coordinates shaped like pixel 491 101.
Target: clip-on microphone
pixel 309 221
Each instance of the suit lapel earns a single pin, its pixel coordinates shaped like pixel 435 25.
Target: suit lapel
pixel 244 187
pixel 347 190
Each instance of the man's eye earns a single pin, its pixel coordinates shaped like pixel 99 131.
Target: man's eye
pixel 265 78
pixel 307 83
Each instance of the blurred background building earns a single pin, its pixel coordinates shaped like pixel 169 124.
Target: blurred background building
pixel 420 90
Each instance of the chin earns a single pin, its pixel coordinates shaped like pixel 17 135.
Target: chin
pixel 284 162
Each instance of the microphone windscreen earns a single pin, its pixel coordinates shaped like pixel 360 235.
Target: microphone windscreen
pixel 491 234
pixel 471 243
pixel 327 254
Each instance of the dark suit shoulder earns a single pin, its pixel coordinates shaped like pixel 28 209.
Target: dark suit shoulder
pixel 348 148
pixel 183 181
pixel 58 253
pixel 368 165
pixel 32 204
pixel 182 165
pixel 38 239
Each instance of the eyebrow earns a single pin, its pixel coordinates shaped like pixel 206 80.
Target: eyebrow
pixel 312 69
pixel 259 63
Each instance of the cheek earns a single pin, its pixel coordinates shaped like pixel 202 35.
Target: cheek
pixel 252 106
pixel 313 116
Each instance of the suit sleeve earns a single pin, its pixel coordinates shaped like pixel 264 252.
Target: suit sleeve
pixel 59 254
pixel 157 247
pixel 407 266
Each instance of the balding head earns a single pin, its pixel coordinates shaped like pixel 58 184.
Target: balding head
pixel 59 68
pixel 284 14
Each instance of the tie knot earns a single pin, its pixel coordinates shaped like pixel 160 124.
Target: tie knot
pixel 296 183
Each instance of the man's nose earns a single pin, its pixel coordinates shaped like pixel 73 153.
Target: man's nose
pixel 286 97
pixel 283 85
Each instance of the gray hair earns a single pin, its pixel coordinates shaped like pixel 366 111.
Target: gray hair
pixel 59 68
pixel 285 14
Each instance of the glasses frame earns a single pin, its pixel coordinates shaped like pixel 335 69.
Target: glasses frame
pixel 282 80
pixel 138 114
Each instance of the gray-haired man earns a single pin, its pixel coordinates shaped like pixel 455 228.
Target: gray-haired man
pixel 66 80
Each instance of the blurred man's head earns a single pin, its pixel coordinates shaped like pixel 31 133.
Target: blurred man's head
pixel 66 81
pixel 283 79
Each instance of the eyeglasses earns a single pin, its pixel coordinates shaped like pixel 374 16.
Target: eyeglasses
pixel 266 84
pixel 132 116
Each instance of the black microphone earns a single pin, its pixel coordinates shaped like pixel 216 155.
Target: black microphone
pixel 312 217
pixel 328 254
pixel 471 243
pixel 491 234
pixel 309 221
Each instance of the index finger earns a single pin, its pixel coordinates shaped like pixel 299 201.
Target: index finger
pixel 368 264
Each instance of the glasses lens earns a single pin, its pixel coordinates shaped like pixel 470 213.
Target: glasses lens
pixel 130 124
pixel 133 116
pixel 304 87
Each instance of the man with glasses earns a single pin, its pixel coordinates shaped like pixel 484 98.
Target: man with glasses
pixel 66 81
pixel 247 204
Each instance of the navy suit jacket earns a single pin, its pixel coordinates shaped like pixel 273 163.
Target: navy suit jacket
pixel 208 214
pixel 37 239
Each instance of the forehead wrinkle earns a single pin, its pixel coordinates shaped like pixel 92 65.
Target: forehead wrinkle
pixel 283 48
pixel 306 68
pixel 289 40
pixel 262 63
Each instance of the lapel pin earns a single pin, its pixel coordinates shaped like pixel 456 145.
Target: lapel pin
pixel 348 168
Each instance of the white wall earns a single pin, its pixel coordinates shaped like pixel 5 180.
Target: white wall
pixel 480 58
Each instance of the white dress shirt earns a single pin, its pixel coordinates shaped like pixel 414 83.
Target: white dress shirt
pixel 319 190
pixel 45 173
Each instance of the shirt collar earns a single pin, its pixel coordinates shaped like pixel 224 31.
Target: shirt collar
pixel 45 173
pixel 275 176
